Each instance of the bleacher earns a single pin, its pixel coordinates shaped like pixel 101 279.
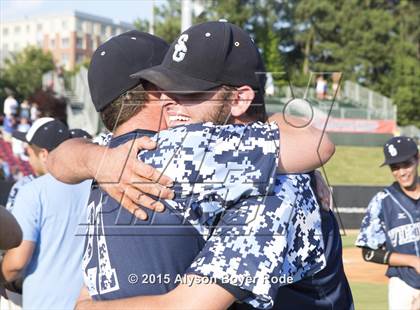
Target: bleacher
pixel 357 116
pixel 7 154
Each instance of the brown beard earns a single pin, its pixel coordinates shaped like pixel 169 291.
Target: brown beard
pixel 221 115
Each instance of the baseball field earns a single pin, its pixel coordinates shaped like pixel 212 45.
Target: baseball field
pixel 367 280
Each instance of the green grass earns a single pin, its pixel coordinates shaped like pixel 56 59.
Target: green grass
pixel 349 239
pixel 366 296
pixel 353 165
pixel 369 296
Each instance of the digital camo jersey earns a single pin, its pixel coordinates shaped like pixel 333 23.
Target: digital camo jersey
pixel 15 190
pixel 392 221
pixel 213 167
pixel 263 243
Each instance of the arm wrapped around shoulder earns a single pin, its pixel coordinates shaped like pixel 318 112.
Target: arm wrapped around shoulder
pixel 379 256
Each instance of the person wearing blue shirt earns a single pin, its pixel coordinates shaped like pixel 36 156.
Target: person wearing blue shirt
pixel 49 213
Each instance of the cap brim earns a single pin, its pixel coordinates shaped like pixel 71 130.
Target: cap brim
pixel 19 135
pixel 397 160
pixel 170 80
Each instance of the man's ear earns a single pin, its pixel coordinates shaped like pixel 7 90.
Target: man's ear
pixel 43 155
pixel 243 98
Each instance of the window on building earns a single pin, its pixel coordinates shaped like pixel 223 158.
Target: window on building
pixel 64 42
pixel 39 27
pixel 52 43
pixel 5 31
pixel 88 27
pixel 97 29
pixel 64 59
pixel 28 28
pixel 79 42
pixel 103 29
pixel 80 58
pixel 17 29
pixel 64 25
pixel 5 48
pixel 79 25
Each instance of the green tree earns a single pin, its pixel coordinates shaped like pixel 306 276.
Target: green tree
pixel 404 80
pixel 167 21
pixel 351 36
pixel 23 71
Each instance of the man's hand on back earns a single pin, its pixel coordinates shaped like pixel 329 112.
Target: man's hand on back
pixel 117 170
pixel 130 181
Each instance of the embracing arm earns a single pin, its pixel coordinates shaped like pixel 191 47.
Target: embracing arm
pixel 75 160
pixel 117 170
pixel 303 148
pixel 196 295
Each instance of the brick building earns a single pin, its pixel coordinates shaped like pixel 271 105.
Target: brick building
pixel 70 37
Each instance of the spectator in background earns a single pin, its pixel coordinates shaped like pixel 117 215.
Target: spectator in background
pixel 50 105
pixel 321 87
pixel 34 112
pixel 17 145
pixel 25 110
pixel 49 213
pixel 9 124
pixel 4 170
pixel 10 105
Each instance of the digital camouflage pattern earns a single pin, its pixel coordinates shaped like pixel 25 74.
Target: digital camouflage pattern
pixel 257 224
pixel 214 166
pixel 372 230
pixel 262 239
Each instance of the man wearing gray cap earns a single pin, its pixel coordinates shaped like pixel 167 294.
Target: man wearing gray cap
pixel 390 232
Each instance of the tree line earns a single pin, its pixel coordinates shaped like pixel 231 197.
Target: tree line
pixel 375 43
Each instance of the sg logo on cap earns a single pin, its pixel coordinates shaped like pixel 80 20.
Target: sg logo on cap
pixel 392 150
pixel 180 48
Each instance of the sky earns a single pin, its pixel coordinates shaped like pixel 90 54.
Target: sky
pixel 118 10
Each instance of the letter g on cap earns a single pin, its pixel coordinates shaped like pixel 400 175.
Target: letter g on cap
pixel 180 48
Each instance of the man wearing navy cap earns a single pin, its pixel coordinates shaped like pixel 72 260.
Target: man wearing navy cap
pixel 390 231
pixel 48 212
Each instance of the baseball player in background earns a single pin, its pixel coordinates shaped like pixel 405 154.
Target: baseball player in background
pixel 390 231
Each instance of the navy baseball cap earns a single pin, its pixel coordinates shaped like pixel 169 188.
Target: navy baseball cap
pixel 399 149
pixel 206 56
pixel 45 132
pixel 113 62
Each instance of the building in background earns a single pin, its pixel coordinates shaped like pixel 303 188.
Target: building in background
pixel 71 37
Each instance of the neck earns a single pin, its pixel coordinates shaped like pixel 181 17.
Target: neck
pixel 243 119
pixel 147 119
